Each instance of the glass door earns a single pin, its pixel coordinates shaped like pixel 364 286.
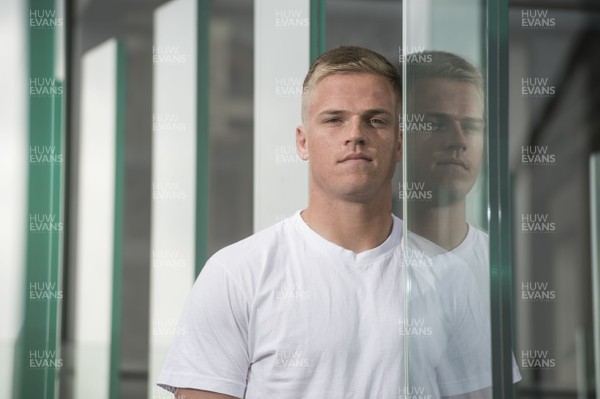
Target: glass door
pixel 445 193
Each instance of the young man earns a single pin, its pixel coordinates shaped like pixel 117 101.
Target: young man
pixel 445 154
pixel 314 306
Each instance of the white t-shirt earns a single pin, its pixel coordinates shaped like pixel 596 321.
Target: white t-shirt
pixel 287 314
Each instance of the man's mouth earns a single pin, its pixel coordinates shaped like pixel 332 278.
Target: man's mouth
pixel 356 157
pixel 451 162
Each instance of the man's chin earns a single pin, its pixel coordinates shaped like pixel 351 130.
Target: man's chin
pixel 448 196
pixel 363 189
pixel 356 195
pixel 359 194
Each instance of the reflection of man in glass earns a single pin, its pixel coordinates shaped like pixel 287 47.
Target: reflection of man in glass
pixel 444 141
pixel 310 307
pixel 446 147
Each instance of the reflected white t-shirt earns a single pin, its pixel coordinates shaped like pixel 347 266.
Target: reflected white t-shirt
pixel 287 314
pixel 472 253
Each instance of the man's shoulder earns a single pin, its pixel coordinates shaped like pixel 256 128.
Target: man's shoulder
pixel 257 247
pixel 477 239
pixel 478 232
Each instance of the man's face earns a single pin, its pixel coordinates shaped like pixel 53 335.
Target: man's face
pixel 446 155
pixel 350 135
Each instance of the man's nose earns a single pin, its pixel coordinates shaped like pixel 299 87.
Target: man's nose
pixel 456 138
pixel 356 132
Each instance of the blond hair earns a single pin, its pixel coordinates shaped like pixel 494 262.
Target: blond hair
pixel 348 60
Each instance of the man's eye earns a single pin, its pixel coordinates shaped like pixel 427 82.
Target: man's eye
pixel 377 122
pixel 433 124
pixel 473 128
pixel 333 120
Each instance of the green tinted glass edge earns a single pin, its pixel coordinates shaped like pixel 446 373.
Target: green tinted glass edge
pixel 499 198
pixel 595 226
pixel 202 129
pixel 115 339
pixel 40 329
pixel 318 14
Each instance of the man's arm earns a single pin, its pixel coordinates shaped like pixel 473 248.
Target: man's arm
pixel 210 352
pixel 197 394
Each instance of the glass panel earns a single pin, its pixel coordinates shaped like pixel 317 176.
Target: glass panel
pixel 38 357
pixel 231 181
pixel 93 22
pixel 443 199
pixel 554 100
pixel 376 19
pixel 281 60
pixel 95 277
pixel 499 201
pixel 173 175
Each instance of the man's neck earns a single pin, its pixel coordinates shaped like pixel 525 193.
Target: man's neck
pixel 446 226
pixel 356 226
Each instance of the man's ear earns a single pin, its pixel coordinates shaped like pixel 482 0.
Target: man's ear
pixel 301 143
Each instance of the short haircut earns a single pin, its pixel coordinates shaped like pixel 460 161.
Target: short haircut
pixel 443 65
pixel 349 60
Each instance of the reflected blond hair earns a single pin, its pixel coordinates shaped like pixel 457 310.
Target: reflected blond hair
pixel 443 65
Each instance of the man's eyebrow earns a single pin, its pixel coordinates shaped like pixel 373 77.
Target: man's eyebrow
pixel 375 111
pixel 332 112
pixel 448 116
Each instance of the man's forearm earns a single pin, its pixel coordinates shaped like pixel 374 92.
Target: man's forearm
pixel 197 394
